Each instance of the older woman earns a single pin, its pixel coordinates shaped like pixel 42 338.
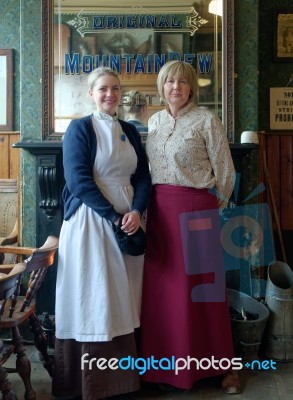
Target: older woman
pixel 185 312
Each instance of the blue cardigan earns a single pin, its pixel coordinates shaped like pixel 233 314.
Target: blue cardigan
pixel 79 152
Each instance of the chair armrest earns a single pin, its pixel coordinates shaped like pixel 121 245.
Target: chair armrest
pixel 25 251
pixel 6 268
pixel 17 250
pixel 11 269
pixel 12 238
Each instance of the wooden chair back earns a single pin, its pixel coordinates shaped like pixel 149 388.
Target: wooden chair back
pixel 9 282
pixel 19 309
pixel 8 206
pixel 43 257
pixel 8 216
pixel 36 264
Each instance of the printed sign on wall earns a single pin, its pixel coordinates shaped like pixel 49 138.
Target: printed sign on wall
pixel 281 108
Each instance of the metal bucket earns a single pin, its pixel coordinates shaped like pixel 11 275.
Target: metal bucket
pixel 247 335
pixel 278 337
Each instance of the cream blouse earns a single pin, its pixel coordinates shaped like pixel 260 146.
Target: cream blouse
pixel 190 150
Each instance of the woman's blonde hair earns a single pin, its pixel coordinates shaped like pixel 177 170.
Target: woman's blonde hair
pixel 180 69
pixel 133 101
pixel 97 73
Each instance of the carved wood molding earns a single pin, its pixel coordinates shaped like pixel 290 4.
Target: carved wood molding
pixel 49 173
pixel 48 185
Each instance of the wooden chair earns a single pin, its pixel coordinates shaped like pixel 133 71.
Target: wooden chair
pixel 8 216
pixel 8 285
pixel 20 309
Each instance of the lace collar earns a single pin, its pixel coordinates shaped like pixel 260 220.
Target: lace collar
pixel 104 116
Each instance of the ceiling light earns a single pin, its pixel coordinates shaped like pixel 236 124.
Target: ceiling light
pixel 216 7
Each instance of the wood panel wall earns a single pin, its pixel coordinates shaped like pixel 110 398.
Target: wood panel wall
pixel 277 150
pixel 10 164
pixel 9 157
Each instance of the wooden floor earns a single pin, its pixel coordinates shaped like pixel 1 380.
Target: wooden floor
pixel 257 385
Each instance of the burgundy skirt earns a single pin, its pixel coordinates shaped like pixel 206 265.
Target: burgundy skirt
pixel 177 321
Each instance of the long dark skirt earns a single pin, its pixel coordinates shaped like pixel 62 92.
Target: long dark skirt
pixel 93 384
pixel 174 322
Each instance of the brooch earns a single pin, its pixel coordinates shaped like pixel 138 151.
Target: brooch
pixel 123 137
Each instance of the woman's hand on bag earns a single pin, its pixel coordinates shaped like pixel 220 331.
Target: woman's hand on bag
pixel 130 222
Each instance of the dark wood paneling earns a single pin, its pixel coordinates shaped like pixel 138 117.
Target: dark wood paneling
pixel 277 149
pixel 286 182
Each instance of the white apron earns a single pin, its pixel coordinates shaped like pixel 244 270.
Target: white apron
pixel 98 290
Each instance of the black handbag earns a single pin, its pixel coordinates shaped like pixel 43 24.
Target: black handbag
pixel 133 245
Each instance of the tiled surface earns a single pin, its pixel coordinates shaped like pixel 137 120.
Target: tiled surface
pixel 257 385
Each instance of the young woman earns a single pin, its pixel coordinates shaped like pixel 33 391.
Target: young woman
pixel 98 293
